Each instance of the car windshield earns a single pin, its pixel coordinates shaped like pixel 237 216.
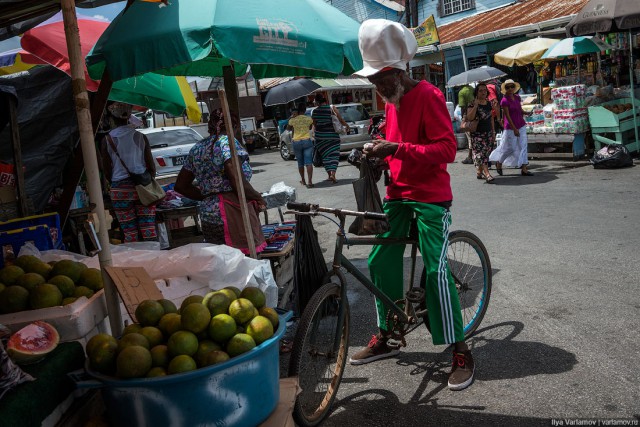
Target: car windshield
pixel 353 113
pixel 169 138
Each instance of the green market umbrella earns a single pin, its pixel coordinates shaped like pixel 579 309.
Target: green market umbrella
pixel 277 38
pixel 575 46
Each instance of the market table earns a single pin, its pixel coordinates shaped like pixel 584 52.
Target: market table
pixel 177 234
pixel 573 146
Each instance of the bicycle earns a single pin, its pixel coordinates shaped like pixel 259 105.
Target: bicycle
pixel 321 342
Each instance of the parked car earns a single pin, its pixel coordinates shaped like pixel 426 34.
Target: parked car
pixel 354 114
pixel 170 146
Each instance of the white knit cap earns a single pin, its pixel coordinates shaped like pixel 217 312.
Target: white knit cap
pixel 385 43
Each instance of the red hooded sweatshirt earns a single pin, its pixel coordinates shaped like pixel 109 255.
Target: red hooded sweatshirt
pixel 423 130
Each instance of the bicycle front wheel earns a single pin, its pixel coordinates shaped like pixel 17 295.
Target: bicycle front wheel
pixel 471 270
pixel 319 354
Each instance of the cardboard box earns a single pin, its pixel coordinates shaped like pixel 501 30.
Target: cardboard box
pixel 77 321
pixel 281 416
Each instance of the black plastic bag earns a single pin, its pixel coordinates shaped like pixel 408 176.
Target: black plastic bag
pixel 317 158
pixel 309 267
pixel 612 157
pixel 368 200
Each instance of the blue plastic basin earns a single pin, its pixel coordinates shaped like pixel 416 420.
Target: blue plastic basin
pixel 240 392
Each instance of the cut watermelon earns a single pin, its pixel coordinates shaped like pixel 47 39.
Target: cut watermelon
pixel 32 343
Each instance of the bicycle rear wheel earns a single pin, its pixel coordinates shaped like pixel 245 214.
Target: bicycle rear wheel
pixel 471 270
pixel 315 358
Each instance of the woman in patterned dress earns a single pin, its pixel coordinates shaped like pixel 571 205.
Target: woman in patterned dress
pixel 484 136
pixel 209 163
pixel 327 141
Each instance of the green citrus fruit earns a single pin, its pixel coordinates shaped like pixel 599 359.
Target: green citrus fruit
pixel 170 323
pixel 132 339
pixel 14 299
pixel 133 362
pixel 214 357
pixel 240 343
pixel 229 293
pixel 221 328
pixel 153 335
pixel 270 314
pixel 235 290
pixel 91 278
pixel 133 327
pixel 69 300
pixel 169 306
pixel 98 339
pixel 218 303
pixel 255 295
pixel 160 356
pixel 65 284
pixel 181 363
pixel 82 291
pixel 102 354
pixel 190 300
pixel 149 312
pixel 29 281
pixel 156 371
pixel 260 329
pixel 204 348
pixel 195 318
pixel 9 275
pixel 45 295
pixel 183 342
pixel 241 310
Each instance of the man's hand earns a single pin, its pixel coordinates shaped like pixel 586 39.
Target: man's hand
pixel 380 149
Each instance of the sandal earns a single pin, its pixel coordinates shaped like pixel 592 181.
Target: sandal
pixel 479 176
pixel 489 179
pixel 310 185
pixel 526 173
pixel 499 168
pixel 303 183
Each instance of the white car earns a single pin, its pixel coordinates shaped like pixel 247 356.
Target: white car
pixel 170 146
pixel 357 118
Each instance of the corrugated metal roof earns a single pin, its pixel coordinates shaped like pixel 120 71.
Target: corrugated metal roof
pixel 268 83
pixel 517 14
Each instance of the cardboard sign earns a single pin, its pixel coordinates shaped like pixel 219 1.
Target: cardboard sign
pixel 134 286
pixel 426 33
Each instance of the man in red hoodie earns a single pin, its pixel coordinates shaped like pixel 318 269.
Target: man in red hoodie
pixel 419 144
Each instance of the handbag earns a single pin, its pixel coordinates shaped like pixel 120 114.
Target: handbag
pixel 148 189
pixel 469 125
pixel 317 158
pixel 337 125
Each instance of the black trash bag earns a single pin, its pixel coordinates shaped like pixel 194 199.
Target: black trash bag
pixel 368 200
pixel 612 157
pixel 309 268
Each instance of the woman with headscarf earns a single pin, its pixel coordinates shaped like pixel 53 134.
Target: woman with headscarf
pixel 209 164
pixel 125 151
pixel 512 151
pixel 327 141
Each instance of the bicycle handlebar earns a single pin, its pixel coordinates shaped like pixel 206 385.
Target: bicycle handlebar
pixel 314 209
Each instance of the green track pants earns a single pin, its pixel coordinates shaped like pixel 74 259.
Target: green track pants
pixel 386 267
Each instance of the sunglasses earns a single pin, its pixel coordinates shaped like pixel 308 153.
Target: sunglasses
pixel 510 86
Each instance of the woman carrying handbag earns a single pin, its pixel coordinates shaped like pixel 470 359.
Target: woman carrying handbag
pixel 126 154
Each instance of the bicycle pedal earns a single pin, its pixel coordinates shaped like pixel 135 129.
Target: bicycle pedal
pixel 416 295
pixel 393 344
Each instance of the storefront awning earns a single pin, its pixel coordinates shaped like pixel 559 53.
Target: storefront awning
pixel 515 19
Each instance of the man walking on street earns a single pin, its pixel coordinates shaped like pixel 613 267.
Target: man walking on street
pixel 419 144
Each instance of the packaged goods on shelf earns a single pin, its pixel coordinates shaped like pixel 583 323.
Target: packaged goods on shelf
pixel 567 97
pixel 569 114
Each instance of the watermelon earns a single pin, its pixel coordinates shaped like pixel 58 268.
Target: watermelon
pixel 32 343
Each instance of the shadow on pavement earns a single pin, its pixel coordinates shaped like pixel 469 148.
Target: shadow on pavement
pixel 378 407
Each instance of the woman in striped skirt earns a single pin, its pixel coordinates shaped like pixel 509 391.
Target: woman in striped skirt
pixel 327 141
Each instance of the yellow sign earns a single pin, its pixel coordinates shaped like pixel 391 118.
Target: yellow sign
pixel 427 32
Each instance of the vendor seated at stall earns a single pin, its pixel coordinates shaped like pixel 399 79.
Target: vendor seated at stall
pixel 215 187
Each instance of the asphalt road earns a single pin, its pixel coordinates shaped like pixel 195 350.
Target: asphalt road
pixel 560 338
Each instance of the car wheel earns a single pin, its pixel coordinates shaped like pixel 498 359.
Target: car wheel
pixel 284 152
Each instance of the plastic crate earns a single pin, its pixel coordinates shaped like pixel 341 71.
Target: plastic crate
pixel 40 235
pixel 52 220
pixel 77 321
pixel 240 392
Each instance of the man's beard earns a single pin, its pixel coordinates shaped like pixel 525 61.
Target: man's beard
pixel 396 96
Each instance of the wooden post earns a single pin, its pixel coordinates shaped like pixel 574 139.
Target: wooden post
pixel 17 157
pixel 236 165
pixel 231 89
pixel 81 98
